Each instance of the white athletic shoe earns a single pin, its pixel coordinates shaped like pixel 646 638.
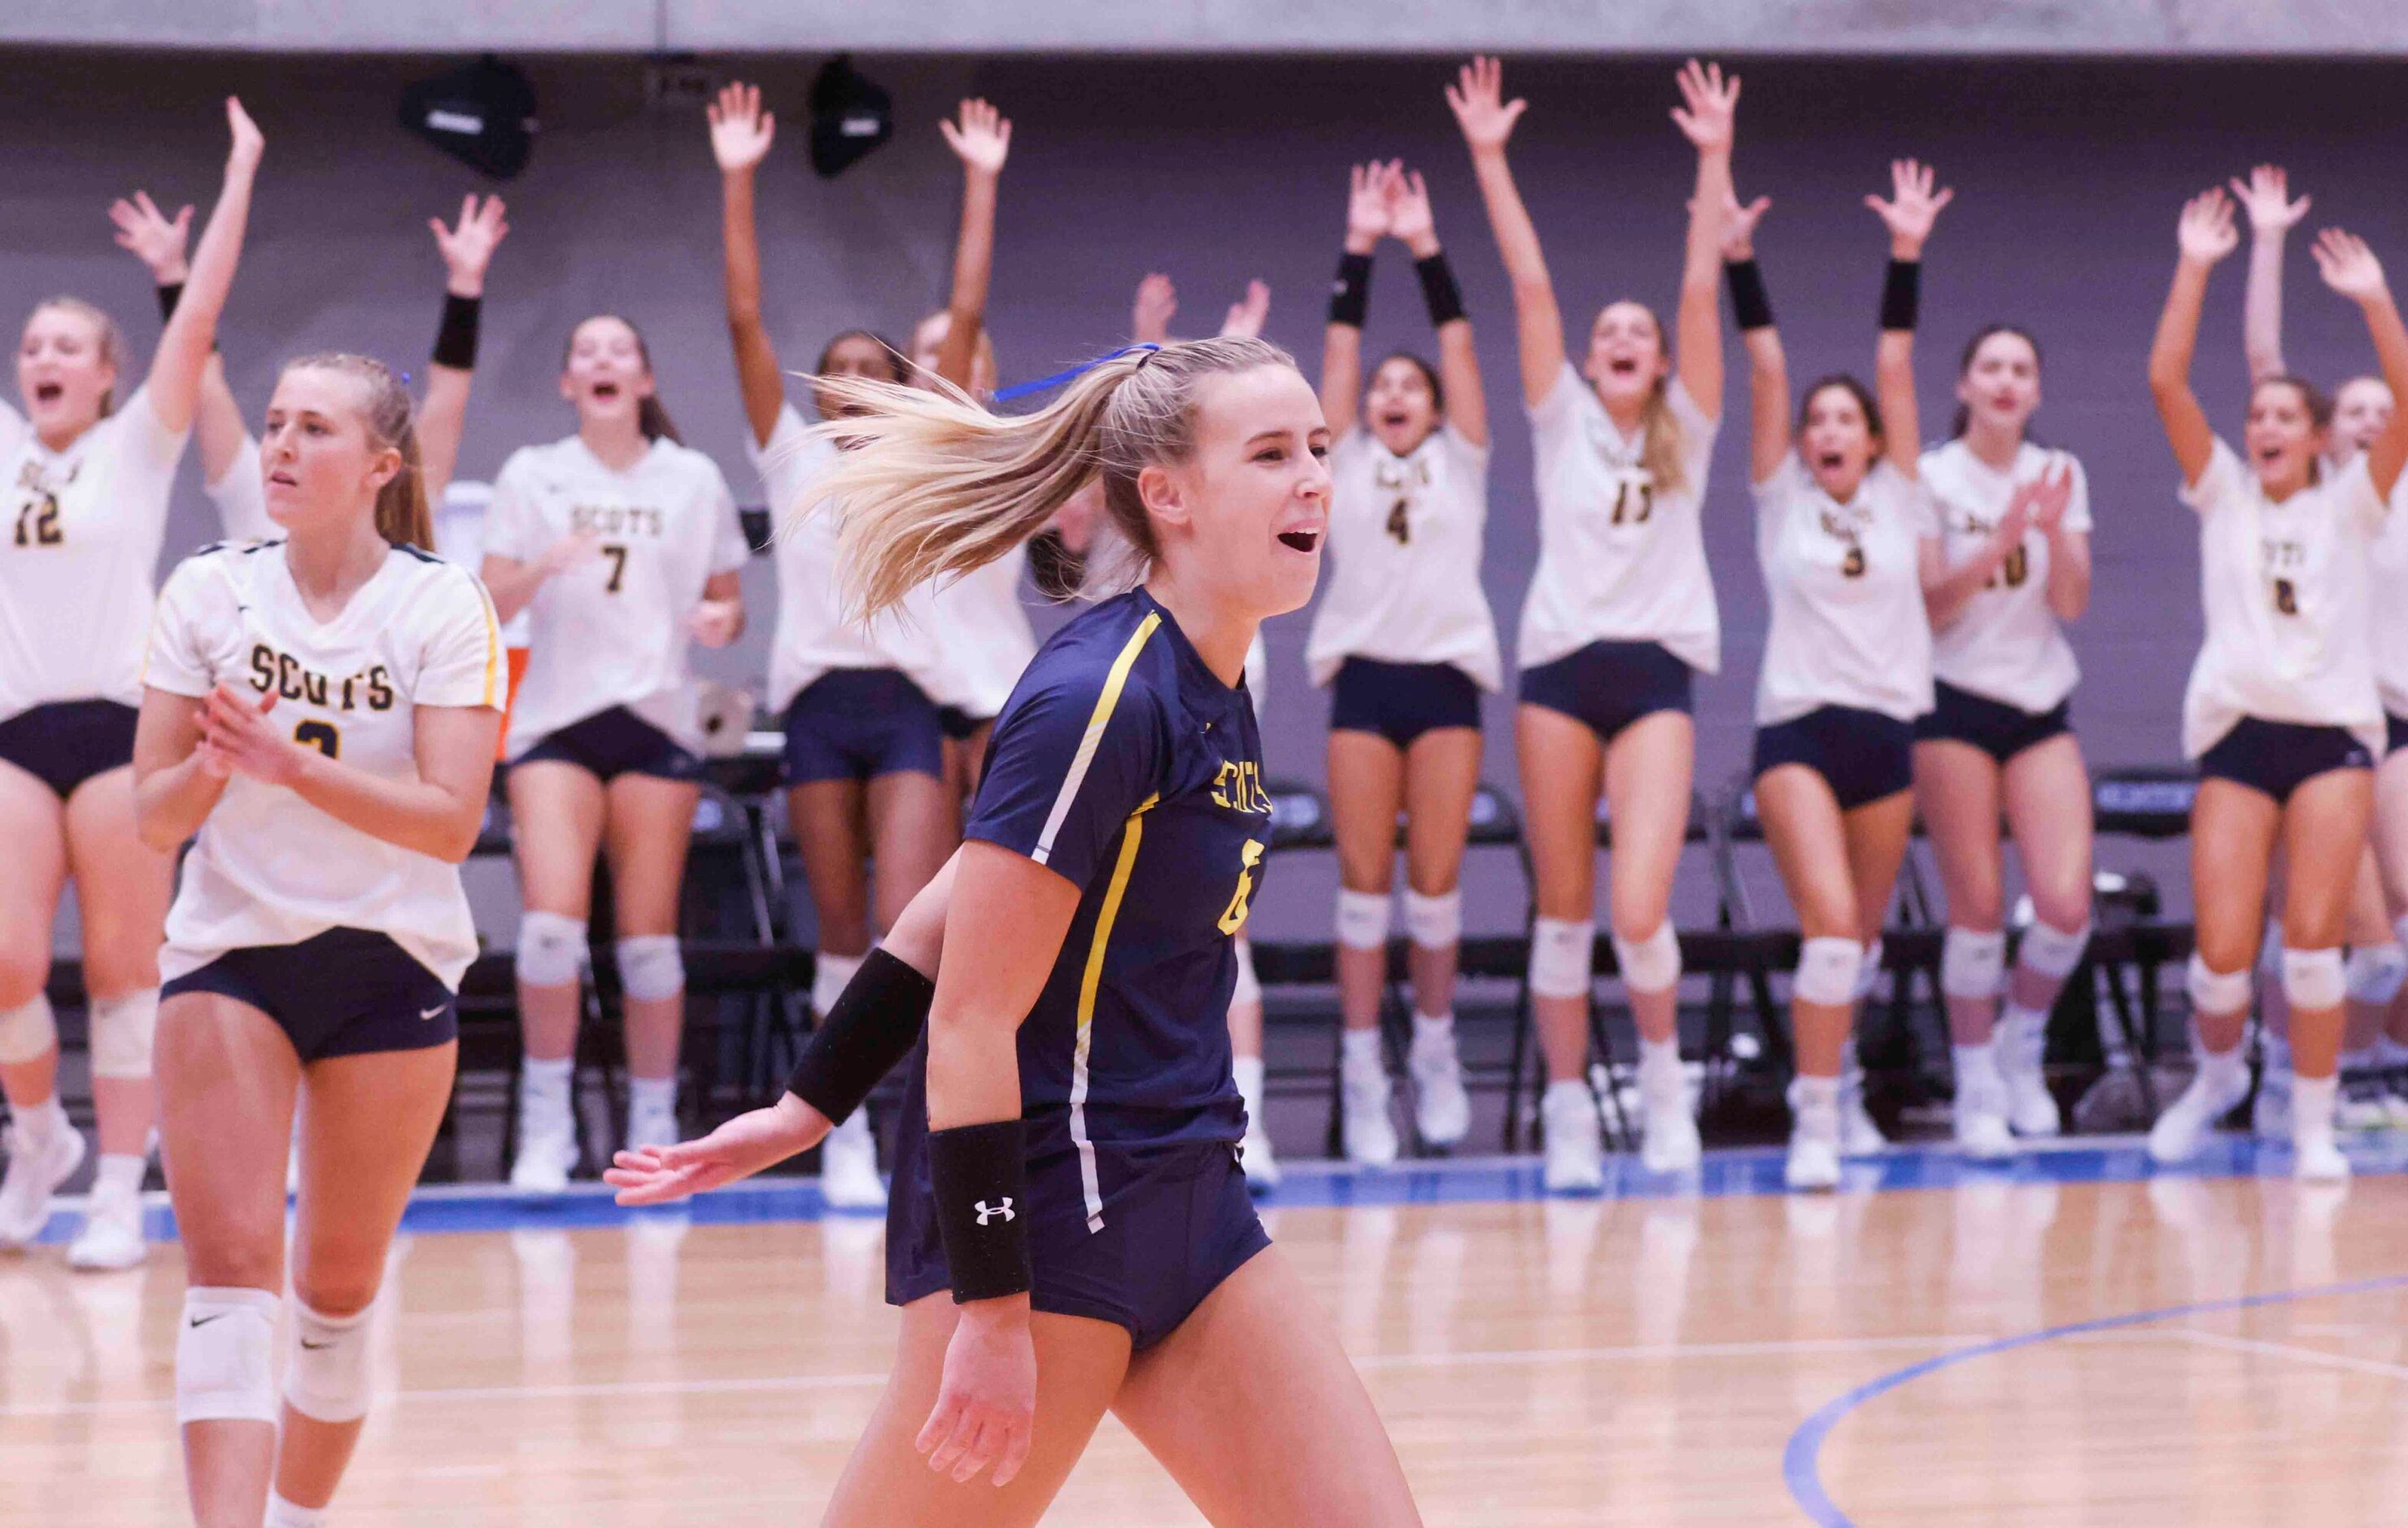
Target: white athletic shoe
pixel 849 1177
pixel 1858 1135
pixel 547 1148
pixel 2182 1129
pixel 1442 1109
pixel 112 1237
pixel 1255 1155
pixel 1982 1130
pixel 33 1175
pixel 2031 1109
pixel 2315 1158
pixel 651 1127
pixel 1364 1125
pixel 1668 1141
pixel 1814 1161
pixel 1575 1140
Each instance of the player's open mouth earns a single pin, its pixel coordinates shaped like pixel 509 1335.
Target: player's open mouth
pixel 1300 540
pixel 1395 419
pixel 1830 461
pixel 48 392
pixel 1623 366
pixel 605 391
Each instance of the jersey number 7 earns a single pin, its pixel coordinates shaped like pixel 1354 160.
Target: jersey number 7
pixel 618 556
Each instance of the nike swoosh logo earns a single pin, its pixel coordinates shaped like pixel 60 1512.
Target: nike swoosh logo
pixel 435 1012
pixel 203 1321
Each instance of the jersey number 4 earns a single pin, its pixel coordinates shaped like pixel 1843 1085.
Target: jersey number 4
pixel 1234 918
pixel 1399 525
pixel 321 736
pixel 38 523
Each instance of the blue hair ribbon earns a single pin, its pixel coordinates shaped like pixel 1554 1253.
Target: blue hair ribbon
pixel 1022 390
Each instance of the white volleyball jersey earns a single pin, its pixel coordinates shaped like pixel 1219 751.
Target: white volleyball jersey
pixel 985 633
pixel 1848 624
pixel 2285 588
pixel 268 868
pixel 1621 557
pixel 79 536
pixel 1400 575
pixel 612 630
pixel 241 494
pixel 2006 644
pixel 812 635
pixel 2388 566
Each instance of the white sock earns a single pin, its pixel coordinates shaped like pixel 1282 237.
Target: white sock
pixel 2015 1016
pixel 1358 1051
pixel 651 1095
pixel 1570 1088
pixel 284 1514
pixel 44 1122
pixel 2312 1106
pixel 830 975
pixel 1977 1068
pixel 2228 1068
pixel 1249 1070
pixel 539 1079
pixel 119 1175
pixel 1430 1030
pixel 1660 1055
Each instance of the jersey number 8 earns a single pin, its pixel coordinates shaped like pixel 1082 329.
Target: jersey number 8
pixel 321 736
pixel 1234 917
pixel 38 523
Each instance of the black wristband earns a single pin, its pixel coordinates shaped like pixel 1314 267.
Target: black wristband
pixel 1902 293
pixel 171 292
pixel 456 338
pixel 981 1176
pixel 1750 303
pixel 1350 295
pixel 869 1027
pixel 1439 293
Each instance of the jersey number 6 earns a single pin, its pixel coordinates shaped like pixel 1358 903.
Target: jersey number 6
pixel 1234 918
pixel 321 736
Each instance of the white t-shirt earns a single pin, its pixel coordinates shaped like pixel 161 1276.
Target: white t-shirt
pixel 241 494
pixel 812 635
pixel 2388 566
pixel 79 536
pixel 1401 572
pixel 1619 559
pixel 612 630
pixel 1848 624
pixel 2006 644
pixel 986 632
pixel 2285 588
pixel 268 868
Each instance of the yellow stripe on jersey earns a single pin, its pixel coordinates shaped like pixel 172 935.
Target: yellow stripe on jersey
pixel 1113 682
pixel 494 666
pixel 1089 982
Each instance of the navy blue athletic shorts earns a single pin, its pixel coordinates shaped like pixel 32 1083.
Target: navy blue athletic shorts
pixel 613 743
pixel 1996 728
pixel 66 742
pixel 2394 733
pixel 858 723
pixel 2278 758
pixel 1401 701
pixel 1609 685
pixel 344 993
pixel 1863 755
pixel 957 725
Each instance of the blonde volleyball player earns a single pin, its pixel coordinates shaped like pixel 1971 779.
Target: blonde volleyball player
pixel 86 472
pixel 1841 526
pixel 2281 712
pixel 322 711
pixel 1404 634
pixel 2010 565
pixel 1621 614
pixel 865 763
pixel 623 546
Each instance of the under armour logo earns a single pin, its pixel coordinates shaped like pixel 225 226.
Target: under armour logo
pixel 1004 1209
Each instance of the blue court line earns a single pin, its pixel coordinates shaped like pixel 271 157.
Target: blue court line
pixel 1318 1185
pixel 1801 1460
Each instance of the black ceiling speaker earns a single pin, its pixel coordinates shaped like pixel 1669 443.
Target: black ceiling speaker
pixel 850 116
pixel 483 115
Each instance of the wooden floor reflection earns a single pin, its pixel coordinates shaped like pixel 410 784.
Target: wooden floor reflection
pixel 1640 1361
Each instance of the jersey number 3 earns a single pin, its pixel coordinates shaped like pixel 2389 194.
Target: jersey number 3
pixel 38 523
pixel 321 736
pixel 1248 859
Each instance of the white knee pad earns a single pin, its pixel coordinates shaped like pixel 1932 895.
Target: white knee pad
pixel 1869 970
pixel 2375 973
pixel 1652 964
pixel 28 1031
pixel 1827 971
pixel 1973 963
pixel 1362 920
pixel 650 967
pixel 830 975
pixel 225 1356
pixel 1434 923
pixel 329 1377
pixel 2053 953
pixel 2216 993
pixel 1249 990
pixel 121 1032
pixel 1563 957
pixel 2313 978
pixel 551 949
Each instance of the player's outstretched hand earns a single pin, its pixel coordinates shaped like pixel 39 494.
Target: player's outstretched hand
pixel 742 1147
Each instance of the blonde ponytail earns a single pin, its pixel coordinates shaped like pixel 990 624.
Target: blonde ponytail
pixel 1660 442
pixel 929 484
pixel 401 515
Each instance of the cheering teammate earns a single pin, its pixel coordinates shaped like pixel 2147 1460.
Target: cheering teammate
pixel 87 475
pixel 625 546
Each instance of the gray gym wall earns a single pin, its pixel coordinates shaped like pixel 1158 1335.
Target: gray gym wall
pixel 1215 170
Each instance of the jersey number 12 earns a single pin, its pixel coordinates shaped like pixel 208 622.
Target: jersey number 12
pixel 38 523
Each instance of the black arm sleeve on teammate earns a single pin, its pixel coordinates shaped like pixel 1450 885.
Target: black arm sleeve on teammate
pixel 1439 292
pixel 456 338
pixel 1349 293
pixel 1902 293
pixel 1750 304
pixel 170 294
pixel 872 1025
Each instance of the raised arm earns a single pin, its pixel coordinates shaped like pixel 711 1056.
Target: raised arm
pixel 740 134
pixel 1248 313
pixel 1487 121
pixel 2266 198
pixel 1341 344
pixel 184 347
pixel 1458 360
pixel 2351 269
pixel 1708 116
pixel 1768 366
pixel 1913 207
pixel 1156 305
pixel 2204 235
pixel 467 247
pixel 982 142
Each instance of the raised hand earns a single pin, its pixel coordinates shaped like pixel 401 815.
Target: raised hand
pixel 1409 219
pixel 1739 226
pixel 2347 265
pixel 467 246
pixel 1481 109
pixel 2265 196
pixel 1708 108
pixel 1157 304
pixel 248 143
pixel 740 131
pixel 737 1150
pixel 1245 317
pixel 983 141
pixel 157 240
pixel 1912 208
pixel 2205 234
pixel 1366 206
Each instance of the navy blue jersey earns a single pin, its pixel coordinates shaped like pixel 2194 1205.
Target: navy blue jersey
pixel 1123 765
